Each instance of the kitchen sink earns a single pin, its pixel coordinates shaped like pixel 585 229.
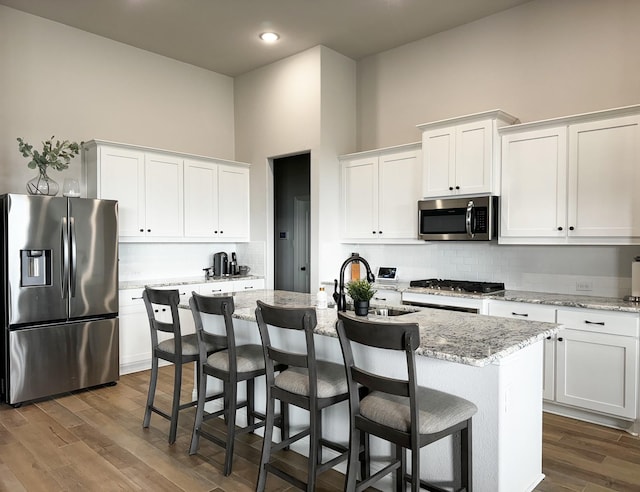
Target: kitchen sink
pixel 383 311
pixel 389 311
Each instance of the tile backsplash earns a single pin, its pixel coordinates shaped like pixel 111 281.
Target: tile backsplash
pixel 177 260
pixel 603 270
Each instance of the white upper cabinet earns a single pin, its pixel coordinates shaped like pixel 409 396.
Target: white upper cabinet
pixel 118 174
pixel 380 192
pixel 233 202
pixel 534 184
pixel 461 155
pixel 572 180
pixel 216 201
pixel 164 210
pixel 168 196
pixel 604 178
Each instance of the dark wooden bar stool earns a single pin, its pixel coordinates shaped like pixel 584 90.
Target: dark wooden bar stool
pixel 307 383
pixel 398 410
pixel 234 364
pixel 179 350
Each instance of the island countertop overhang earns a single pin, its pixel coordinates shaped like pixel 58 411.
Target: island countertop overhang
pixel 470 339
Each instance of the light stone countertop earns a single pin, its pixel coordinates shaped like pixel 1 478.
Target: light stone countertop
pixel 470 339
pixel 166 282
pixel 547 298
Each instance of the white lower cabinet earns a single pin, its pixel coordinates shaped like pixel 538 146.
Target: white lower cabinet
pixel 592 363
pixel 135 336
pixel 533 312
pixel 597 361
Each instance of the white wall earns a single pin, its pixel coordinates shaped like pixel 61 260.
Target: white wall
pixel 540 60
pixel 57 80
pixel 543 59
pixel 287 108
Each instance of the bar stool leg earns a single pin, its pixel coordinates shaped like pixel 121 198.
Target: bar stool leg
pixel 402 470
pixel 197 424
pixel 266 443
pixel 230 414
pixel 284 429
pixel 415 470
pixel 152 391
pixel 251 411
pixel 315 432
pixel 177 387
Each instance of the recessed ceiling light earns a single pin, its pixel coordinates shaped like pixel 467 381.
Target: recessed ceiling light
pixel 269 37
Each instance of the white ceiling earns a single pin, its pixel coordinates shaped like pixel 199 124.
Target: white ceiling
pixel 222 35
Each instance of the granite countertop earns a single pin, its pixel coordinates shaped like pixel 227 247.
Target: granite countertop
pixel 165 282
pixel 470 339
pixel 551 299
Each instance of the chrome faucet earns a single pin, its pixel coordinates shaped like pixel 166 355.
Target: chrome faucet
pixel 338 289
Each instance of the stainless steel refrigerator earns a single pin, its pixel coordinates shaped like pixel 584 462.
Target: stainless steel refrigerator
pixel 59 294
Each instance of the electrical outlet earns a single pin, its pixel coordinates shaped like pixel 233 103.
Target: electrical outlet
pixel 584 285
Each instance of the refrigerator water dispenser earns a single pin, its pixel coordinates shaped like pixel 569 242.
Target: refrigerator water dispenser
pixel 36 267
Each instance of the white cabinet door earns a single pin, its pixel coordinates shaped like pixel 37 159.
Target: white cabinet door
pixel 534 170
pixel 163 192
pixel 399 191
pixel 533 312
pixel 120 176
pixel 438 154
pixel 474 158
pixel 597 364
pixel 200 199
pixel 604 178
pixel 360 198
pixel 135 334
pixel 233 202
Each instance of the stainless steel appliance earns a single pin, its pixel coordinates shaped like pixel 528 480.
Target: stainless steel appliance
pixel 220 264
pixel 59 295
pixel 458 285
pixel 465 304
pixel 458 219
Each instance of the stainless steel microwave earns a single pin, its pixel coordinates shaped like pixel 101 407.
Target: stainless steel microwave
pixel 458 219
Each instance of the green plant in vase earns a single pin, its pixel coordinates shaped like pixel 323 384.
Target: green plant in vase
pixel 361 291
pixel 56 156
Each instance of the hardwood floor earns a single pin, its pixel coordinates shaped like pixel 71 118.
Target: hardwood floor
pixel 94 440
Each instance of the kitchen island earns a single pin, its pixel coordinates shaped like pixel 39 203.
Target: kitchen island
pixel 494 362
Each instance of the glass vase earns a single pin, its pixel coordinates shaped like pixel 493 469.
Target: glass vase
pixel 42 184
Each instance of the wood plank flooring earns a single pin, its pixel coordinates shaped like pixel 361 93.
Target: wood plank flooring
pixel 94 440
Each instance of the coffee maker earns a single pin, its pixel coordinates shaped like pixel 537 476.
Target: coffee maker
pixel 220 264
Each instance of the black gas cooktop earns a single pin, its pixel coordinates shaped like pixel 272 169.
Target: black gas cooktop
pixel 459 285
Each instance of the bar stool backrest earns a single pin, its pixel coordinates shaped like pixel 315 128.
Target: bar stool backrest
pixel 291 319
pixel 218 306
pixel 391 336
pixel 170 299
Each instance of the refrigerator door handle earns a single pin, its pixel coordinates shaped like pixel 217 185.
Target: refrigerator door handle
pixel 73 257
pixel 64 271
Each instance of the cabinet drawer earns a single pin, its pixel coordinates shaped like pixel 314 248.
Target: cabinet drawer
pixel 387 297
pixel 522 310
pixel 130 297
pixel 593 320
pixel 242 285
pixel 213 288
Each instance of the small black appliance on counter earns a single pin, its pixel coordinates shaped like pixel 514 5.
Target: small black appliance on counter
pixel 220 264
